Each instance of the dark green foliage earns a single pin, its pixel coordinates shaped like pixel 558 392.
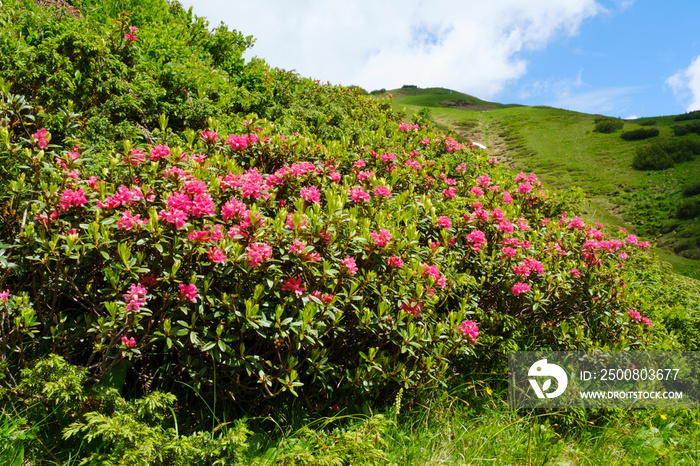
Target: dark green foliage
pixel 652 158
pixel 639 133
pixel 694 115
pixel 689 208
pixel 608 125
pixel 665 155
pixel 647 123
pixel 692 189
pixel 682 130
pixel 378 91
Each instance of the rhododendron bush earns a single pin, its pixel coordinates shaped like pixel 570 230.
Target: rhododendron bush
pixel 277 263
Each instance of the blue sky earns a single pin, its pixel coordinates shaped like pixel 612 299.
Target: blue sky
pixel 623 58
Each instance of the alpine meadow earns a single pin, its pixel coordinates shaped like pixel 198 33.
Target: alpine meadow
pixel 206 260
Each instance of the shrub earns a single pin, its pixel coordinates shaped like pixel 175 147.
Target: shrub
pixel 639 133
pixel 651 158
pixel 664 155
pixel 689 208
pixel 275 265
pixel 646 123
pixel 682 130
pixel 692 189
pixel 608 125
pixel 694 115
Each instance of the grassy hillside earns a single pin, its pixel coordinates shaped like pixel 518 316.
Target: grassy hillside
pixel 565 151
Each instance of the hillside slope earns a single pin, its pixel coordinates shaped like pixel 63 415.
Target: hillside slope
pixel 565 151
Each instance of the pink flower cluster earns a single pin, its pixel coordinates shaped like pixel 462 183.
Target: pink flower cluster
pixel 520 288
pixel 70 198
pixel 470 330
pixel 381 238
pixel 4 296
pixel 128 342
pixel 637 317
pixel 404 127
pixel 123 196
pixel 350 265
pixel 395 261
pixel 41 138
pixel 135 298
pixel 131 35
pixel 433 271
pixel 311 194
pixel 258 253
pixel 476 239
pixel 189 292
pixel 412 307
pixel 129 221
pixel 358 195
pixel 293 284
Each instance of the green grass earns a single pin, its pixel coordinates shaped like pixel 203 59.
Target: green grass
pixel 561 147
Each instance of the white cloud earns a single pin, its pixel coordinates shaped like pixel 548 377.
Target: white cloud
pixel 468 45
pixel 605 101
pixel 686 85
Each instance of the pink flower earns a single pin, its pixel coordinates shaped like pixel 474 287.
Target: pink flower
pixel 507 198
pixel 520 288
pixel 359 164
pixel 189 292
pixel 71 198
pixel 350 264
pixel 135 297
pixel 358 195
pixel 508 251
pixel 40 137
pixel 382 191
pixel 297 247
pixel 449 193
pixel 444 222
pixel 209 136
pixel 233 209
pixel 575 273
pixel 173 215
pixel 324 298
pixel 128 342
pixel 129 221
pixel 237 142
pixel 412 308
pixel 159 152
pixel 577 223
pixel 477 191
pixel 395 261
pixel 470 330
pixel 301 224
pixel 335 177
pixel 381 238
pixel 364 175
pixel 311 194
pixel 4 296
pixel 258 253
pixel 646 321
pixel 293 284
pixel 216 255
pixel 632 240
pixel 476 239
pixel 634 315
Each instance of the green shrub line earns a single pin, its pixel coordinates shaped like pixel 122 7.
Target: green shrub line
pixel 661 156
pixel 639 134
pixel 608 125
